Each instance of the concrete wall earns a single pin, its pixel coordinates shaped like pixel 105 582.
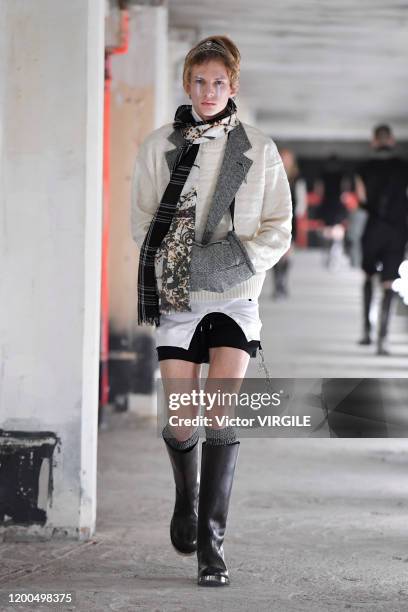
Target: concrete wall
pixel 138 106
pixel 51 84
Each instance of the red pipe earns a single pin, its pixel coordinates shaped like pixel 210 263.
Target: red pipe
pixel 104 342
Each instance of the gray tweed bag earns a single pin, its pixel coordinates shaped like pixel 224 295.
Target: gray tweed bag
pixel 220 265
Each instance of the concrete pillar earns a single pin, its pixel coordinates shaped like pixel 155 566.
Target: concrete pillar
pixel 51 104
pixel 139 95
pixel 181 40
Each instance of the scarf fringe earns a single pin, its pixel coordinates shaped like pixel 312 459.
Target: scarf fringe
pixel 149 320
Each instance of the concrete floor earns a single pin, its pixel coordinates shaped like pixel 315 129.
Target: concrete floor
pixel 315 524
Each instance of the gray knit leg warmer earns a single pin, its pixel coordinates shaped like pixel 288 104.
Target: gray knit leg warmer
pixel 220 437
pixel 181 445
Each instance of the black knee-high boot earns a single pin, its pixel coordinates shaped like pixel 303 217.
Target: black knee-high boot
pixel 183 525
pixel 280 272
pixel 217 475
pixel 367 297
pixel 277 280
pixel 384 321
pixel 284 276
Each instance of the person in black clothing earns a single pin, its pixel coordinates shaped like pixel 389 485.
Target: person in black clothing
pixel 382 184
pixel 332 211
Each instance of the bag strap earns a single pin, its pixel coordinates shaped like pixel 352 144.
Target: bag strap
pixel 232 208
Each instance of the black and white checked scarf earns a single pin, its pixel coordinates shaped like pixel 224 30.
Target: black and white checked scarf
pixel 148 298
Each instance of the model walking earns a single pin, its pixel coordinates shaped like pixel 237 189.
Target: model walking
pixel 382 184
pixel 199 279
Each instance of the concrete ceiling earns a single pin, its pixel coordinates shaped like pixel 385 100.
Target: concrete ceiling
pixel 313 69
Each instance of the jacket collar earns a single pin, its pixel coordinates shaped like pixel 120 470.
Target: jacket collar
pixel 234 168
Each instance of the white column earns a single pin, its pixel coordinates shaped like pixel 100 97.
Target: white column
pixel 51 96
pixel 180 43
pixel 161 65
pixel 139 104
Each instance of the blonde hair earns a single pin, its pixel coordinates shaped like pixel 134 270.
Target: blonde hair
pixel 222 48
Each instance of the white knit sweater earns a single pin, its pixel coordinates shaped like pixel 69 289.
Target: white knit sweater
pixel 263 207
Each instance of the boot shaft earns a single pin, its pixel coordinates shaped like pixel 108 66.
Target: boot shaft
pixel 186 476
pixel 217 474
pixel 385 313
pixel 367 299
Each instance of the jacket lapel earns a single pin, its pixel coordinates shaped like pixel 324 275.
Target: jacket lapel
pixel 177 139
pixel 234 169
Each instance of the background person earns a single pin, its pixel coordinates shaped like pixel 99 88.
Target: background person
pixel 299 195
pixel 332 211
pixel 381 184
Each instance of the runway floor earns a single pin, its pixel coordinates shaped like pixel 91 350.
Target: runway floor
pixel 315 525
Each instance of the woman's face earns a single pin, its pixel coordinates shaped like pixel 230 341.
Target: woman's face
pixel 209 88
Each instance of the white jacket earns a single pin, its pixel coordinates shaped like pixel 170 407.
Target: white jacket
pixel 263 207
